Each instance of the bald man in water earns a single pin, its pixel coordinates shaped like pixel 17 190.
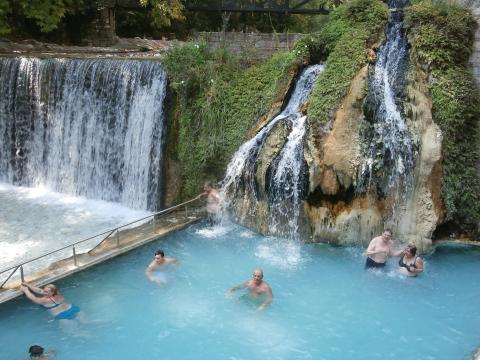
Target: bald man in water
pixel 257 288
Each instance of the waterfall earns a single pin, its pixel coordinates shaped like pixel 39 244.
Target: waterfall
pixel 389 157
pixel 284 181
pixel 287 183
pixel 89 127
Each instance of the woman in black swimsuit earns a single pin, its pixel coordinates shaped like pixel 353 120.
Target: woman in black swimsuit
pixel 410 264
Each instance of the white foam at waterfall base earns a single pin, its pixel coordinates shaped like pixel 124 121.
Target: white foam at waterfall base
pixel 281 253
pixel 34 221
pixel 85 127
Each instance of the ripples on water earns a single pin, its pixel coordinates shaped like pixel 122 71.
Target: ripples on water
pixel 326 306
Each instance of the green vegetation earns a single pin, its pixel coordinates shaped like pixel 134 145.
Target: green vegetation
pixel 442 37
pixel 217 103
pixel 62 20
pixel 353 28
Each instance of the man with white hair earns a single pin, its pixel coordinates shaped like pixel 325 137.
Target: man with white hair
pixel 257 289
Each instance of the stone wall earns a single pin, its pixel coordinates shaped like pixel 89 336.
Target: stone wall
pixel 254 45
pixel 102 28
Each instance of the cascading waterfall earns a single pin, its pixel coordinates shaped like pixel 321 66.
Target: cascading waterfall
pixel 284 182
pixel 89 127
pixel 389 157
pixel 287 183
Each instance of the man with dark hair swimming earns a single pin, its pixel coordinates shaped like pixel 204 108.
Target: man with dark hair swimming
pixel 158 265
pixel 257 288
pixel 38 353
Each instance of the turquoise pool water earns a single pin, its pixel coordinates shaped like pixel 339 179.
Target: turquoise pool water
pixel 326 306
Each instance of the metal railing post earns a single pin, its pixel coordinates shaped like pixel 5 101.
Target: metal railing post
pixel 118 238
pixel 153 223
pixel 9 276
pixel 186 211
pixel 21 274
pixel 74 256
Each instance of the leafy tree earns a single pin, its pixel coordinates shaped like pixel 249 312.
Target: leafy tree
pixel 164 11
pixel 46 13
pixel 4 12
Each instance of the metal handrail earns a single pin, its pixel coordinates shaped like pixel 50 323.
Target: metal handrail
pixel 109 232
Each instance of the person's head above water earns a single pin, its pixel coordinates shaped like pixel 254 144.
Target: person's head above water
pixel 411 249
pixel 35 351
pixel 50 290
pixel 159 255
pixel 257 275
pixel 387 235
pixel 208 186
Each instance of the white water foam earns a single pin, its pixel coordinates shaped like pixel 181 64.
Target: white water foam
pixel 281 253
pixel 35 221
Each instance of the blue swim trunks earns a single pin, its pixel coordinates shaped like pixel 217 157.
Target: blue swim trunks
pixel 68 314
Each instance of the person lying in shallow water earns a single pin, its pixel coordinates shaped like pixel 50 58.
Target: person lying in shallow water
pixel 410 264
pixel 257 288
pixel 52 300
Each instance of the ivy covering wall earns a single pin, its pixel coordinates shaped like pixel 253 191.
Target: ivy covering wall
pixel 442 37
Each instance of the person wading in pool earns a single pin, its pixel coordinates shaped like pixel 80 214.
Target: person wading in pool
pixel 213 202
pixel 158 265
pixel 52 300
pixel 380 249
pixel 257 288
pixel 410 264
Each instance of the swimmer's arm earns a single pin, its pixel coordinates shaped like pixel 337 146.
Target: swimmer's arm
pixel 148 274
pixel 32 297
pixel 236 288
pixel 419 266
pixel 268 301
pixel 396 253
pixel 35 289
pixel 200 195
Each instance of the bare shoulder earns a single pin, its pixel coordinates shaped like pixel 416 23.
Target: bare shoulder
pixel 170 260
pixel 266 286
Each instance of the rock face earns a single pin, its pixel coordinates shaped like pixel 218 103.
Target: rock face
pixel 334 211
